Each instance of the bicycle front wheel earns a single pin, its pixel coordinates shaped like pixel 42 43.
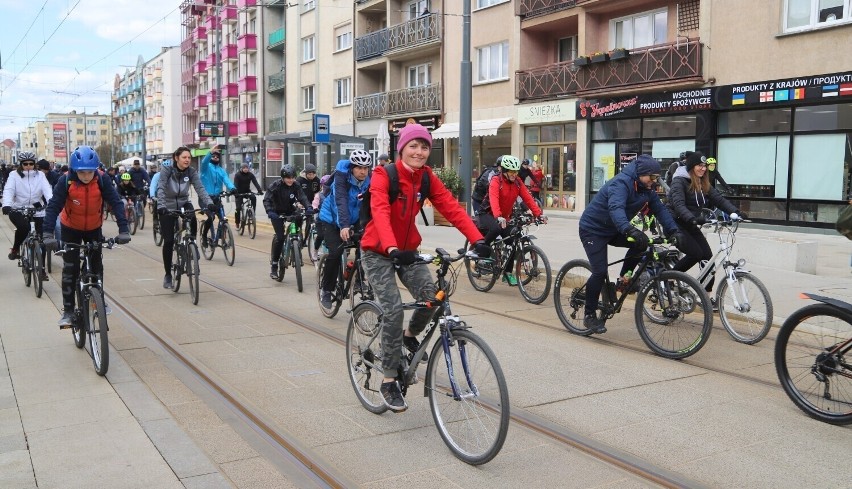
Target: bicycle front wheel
pixel 178 257
pixel 474 418
pixel 313 253
pixel 37 269
pixel 97 326
pixel 158 237
pixel 364 355
pixel 252 223
pixel 228 248
pixel 243 218
pixel 745 308
pixel 140 212
pixel 569 295
pixel 208 246
pixel 812 359
pixel 27 264
pixel 78 329
pixel 686 313
pixel 130 214
pixel 192 271
pixel 532 269
pixel 296 260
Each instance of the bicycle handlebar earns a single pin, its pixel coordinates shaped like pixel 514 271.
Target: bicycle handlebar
pixel 247 194
pixel 108 243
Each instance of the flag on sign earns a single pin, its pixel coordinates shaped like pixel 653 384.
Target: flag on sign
pixel 782 95
pixel 829 90
pixel 766 97
pixel 846 89
pixel 738 99
pixel 799 93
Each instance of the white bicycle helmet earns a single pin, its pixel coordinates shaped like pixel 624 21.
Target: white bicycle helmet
pixel 510 163
pixel 359 157
pixel 26 156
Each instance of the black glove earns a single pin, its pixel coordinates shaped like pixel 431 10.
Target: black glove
pixel 675 238
pixel 162 211
pixel 259 193
pixel 37 205
pixel 309 211
pixel 482 249
pixel 233 191
pixel 50 243
pixel 698 220
pixel 639 237
pixel 6 209
pixel 123 238
pixel 400 257
pixel 211 207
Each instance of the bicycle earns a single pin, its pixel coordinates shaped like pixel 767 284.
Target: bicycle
pixel 673 313
pixel 813 359
pixel 90 316
pixel 532 268
pixel 32 254
pixel 185 255
pixel 130 215
pixel 313 234
pixel 351 279
pixel 291 253
pixel 222 238
pixel 247 217
pixel 468 398
pixel 155 225
pixel 139 207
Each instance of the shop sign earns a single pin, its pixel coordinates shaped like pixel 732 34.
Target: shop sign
pixel 547 112
pixel 275 154
pixel 350 146
pixel 429 122
pixel 652 103
pixel 785 91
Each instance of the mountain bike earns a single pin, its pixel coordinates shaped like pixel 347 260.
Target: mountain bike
pixel 291 253
pixel 185 255
pixel 465 385
pixel 813 359
pixel 90 316
pixel 32 254
pixel 672 312
pixel 223 237
pixel 532 268
pixel 351 279
pixel 130 215
pixel 247 217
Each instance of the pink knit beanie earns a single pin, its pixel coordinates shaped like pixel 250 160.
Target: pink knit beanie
pixel 412 131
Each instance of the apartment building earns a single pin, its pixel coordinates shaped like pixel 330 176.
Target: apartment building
pixel 128 110
pixel 53 138
pixel 162 104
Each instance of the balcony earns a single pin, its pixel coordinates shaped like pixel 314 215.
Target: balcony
pixel 405 101
pixel 533 8
pixel 187 77
pixel 246 4
pixel 247 84
pixel 211 96
pixel 230 90
pixel 187 45
pixel 212 23
pixel 662 65
pixel 211 60
pixel 187 105
pixel 194 7
pixel 401 37
pixel 373 106
pixel 276 40
pixel 277 3
pixel 229 52
pixel 247 127
pixel 200 101
pixel 276 82
pixel 158 120
pixel 276 124
pixel 228 14
pixel 199 33
pixel 247 42
pixel 199 67
pixel 187 137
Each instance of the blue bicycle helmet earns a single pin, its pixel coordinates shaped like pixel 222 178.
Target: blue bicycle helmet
pixel 84 158
pixel 166 163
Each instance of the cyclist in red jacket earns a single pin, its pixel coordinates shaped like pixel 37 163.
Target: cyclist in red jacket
pixel 390 244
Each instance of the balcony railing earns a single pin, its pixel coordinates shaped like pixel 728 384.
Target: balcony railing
pixel 199 67
pixel 277 3
pixel 276 82
pixel 186 45
pixel 186 77
pixel 229 51
pixel 199 33
pixel 415 32
pixel 276 40
pixel 247 127
pixel 247 84
pixel 276 124
pixel 534 8
pixel 243 4
pixel 396 102
pixel 247 42
pixel 211 59
pixel 211 23
pixel 187 105
pixel 187 137
pixel 660 64
pixel 228 14
pixel 200 101
pixel 230 90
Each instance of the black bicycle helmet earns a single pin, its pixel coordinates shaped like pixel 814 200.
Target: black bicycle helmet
pixel 287 171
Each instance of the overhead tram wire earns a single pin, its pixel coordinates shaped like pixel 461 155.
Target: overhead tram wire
pixel 29 28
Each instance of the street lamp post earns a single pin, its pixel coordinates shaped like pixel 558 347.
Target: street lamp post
pixel 465 130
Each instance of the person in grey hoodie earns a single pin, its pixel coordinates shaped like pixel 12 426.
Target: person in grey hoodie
pixel 173 195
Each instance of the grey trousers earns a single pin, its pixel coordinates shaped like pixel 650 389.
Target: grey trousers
pixel 419 282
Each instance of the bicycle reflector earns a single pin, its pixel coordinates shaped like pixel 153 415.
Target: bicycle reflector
pixel 440 295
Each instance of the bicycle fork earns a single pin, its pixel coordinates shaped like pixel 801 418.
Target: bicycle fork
pixel 447 324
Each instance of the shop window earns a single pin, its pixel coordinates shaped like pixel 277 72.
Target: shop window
pixel 824 118
pixel 755 121
pixel 670 127
pixel 821 166
pixel 803 15
pixel 551 134
pixel 617 129
pixel 603 164
pixel 531 134
pixel 755 166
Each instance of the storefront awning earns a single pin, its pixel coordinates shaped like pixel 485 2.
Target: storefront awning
pixel 487 127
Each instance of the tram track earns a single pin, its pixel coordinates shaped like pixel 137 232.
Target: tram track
pixel 621 459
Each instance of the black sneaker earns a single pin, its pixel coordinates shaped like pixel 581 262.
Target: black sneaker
pixel 595 324
pixel 393 397
pixel 43 276
pixel 66 321
pixel 411 344
pixel 273 272
pixel 13 254
pixel 325 300
pixel 167 282
pixel 714 305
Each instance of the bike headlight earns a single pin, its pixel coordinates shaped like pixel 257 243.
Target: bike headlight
pixel 741 262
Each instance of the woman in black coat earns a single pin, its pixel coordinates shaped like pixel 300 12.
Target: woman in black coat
pixel 690 193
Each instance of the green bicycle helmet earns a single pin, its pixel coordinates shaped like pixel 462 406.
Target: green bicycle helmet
pixel 510 163
pixel 125 177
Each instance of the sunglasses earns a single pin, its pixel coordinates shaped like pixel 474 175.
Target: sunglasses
pixel 28 163
pixel 654 177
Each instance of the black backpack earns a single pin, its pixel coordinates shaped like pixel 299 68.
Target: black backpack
pixel 365 214
pixel 480 188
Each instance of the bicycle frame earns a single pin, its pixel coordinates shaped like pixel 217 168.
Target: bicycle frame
pixel 722 260
pixel 650 262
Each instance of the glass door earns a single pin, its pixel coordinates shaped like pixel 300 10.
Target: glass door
pixel 552 163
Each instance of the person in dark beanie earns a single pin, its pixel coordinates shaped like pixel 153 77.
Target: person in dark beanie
pixel 43 166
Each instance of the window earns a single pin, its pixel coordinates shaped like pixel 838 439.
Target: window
pixel 343 37
pixel 308 98
pixel 419 75
pixel 308 53
pixel 493 62
pixel 640 30
pixel 566 49
pixel 488 3
pixel 416 8
pixel 308 5
pixel 342 91
pixel 800 15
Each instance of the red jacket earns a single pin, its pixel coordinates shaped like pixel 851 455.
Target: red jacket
pixel 392 225
pixel 502 194
pixel 536 177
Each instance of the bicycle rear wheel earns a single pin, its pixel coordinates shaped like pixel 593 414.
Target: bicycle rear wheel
pixel 364 356
pixel 208 246
pixel 97 328
pixel 227 239
pixel 252 223
pixel 473 421
pixel 140 214
pixel 569 295
pixel 296 260
pixel 483 273
pixel 747 318
pixel 532 269
pixel 681 301
pixel 37 268
pixel 192 271
pixel 812 359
